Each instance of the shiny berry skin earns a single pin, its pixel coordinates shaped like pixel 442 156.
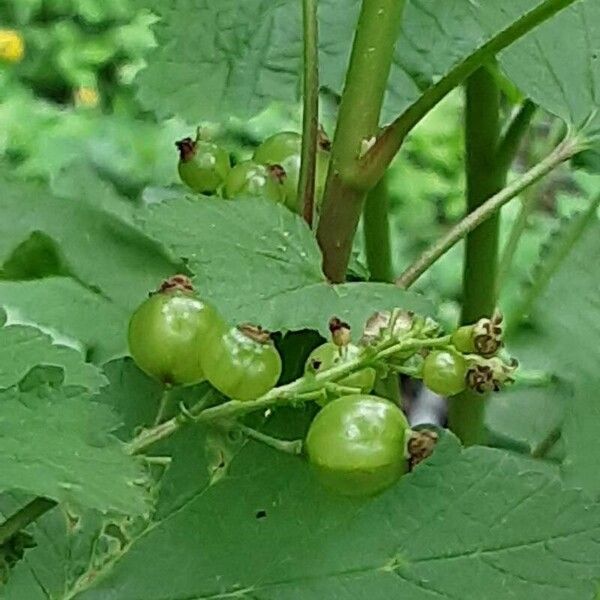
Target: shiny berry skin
pixel 356 445
pixel 241 362
pixel 445 372
pixel 275 149
pixel 284 149
pixel 203 166
pixel 329 355
pixel 167 335
pixel 251 179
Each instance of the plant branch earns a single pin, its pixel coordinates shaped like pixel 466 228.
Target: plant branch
pixel 24 517
pixel 381 154
pixel 358 122
pixel 563 152
pixel 376 226
pixel 304 389
pixel 310 118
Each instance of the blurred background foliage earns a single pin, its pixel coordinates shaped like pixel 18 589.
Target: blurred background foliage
pixel 69 103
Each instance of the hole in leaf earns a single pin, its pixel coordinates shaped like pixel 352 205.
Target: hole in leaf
pixel 261 514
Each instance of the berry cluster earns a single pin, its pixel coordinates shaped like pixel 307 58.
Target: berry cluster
pixel 358 443
pixel 272 173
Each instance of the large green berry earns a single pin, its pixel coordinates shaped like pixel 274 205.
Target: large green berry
pixel 168 333
pixel 242 362
pixel 356 444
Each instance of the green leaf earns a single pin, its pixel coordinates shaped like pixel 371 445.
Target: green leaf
pixel 478 524
pixel 260 263
pixel 111 263
pixel 66 547
pixel 70 311
pixel 561 340
pixel 22 348
pixel 59 444
pixel 558 65
pixel 239 58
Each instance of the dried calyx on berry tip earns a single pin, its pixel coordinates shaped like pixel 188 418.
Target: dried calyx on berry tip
pixel 483 338
pixel 181 283
pixel 277 172
pixel 420 446
pixel 489 374
pixel 187 148
pixel 256 333
pixel 340 332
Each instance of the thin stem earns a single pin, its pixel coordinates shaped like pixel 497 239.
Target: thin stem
pixel 381 154
pixel 545 446
pixel 293 447
pixel 163 404
pixel 310 118
pixel 514 134
pixel 304 389
pixel 376 226
pixel 23 517
pixel 358 121
pixel 563 152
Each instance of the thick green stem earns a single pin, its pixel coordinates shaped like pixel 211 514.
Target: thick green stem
pixel 376 226
pixel 485 178
pixel 23 517
pixel 487 163
pixel 563 152
pixel 358 122
pixel 381 154
pixel 310 127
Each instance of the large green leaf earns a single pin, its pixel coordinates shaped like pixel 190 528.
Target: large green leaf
pixel 112 265
pixel 66 547
pixel 561 340
pixel 558 64
pixel 225 57
pixel 469 525
pixel 71 312
pixel 22 348
pixel 58 444
pixel 260 263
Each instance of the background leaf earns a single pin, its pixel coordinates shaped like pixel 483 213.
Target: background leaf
pixel 558 64
pixel 464 525
pixel 112 265
pixel 224 58
pixel 22 348
pixel 58 444
pixel 260 263
pixel 560 340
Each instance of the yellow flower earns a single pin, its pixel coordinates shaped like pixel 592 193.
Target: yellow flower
pixel 12 47
pixel 87 96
